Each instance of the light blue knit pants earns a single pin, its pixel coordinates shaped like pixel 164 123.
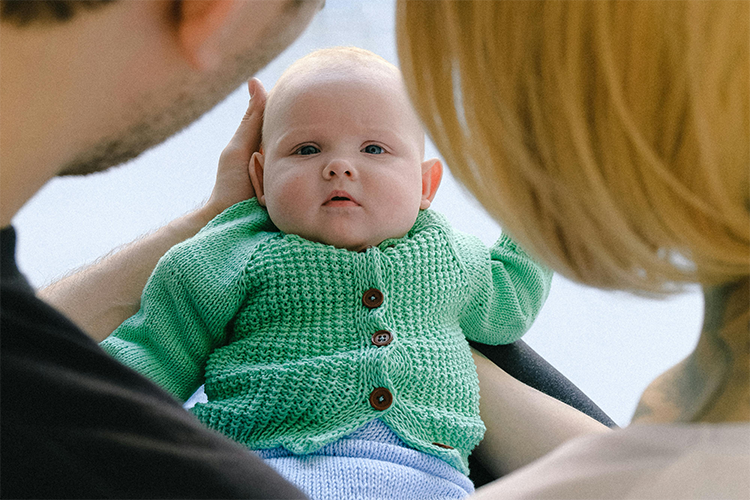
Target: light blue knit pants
pixel 371 463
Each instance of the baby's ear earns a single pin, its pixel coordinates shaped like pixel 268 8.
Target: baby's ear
pixel 256 176
pixel 432 174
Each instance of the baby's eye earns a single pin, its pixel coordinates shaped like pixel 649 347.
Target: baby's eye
pixel 307 150
pixel 373 149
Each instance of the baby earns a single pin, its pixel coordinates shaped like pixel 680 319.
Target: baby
pixel 328 316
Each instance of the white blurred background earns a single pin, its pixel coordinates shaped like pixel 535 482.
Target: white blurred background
pixel 610 344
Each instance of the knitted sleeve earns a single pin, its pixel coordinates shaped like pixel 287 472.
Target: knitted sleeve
pixel 507 290
pixel 193 293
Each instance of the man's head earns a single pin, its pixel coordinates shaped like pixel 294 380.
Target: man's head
pixel 97 86
pixel 277 24
pixel 343 152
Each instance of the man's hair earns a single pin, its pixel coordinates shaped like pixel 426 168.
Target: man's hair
pixel 609 138
pixel 25 12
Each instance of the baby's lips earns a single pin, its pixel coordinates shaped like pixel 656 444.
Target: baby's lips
pixel 340 196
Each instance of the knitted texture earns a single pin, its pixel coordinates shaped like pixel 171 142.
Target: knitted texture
pixel 369 464
pixel 276 327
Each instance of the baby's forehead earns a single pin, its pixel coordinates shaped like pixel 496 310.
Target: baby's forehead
pixel 329 72
pixel 308 74
pixel 340 60
pixel 333 62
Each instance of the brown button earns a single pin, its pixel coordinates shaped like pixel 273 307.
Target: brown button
pixel 381 338
pixel 443 446
pixel 381 398
pixel 372 298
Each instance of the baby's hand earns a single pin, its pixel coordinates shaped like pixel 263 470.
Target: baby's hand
pixel 232 179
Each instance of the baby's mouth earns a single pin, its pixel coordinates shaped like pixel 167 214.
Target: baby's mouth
pixel 340 199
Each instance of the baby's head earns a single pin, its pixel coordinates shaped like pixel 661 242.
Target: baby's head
pixel 342 158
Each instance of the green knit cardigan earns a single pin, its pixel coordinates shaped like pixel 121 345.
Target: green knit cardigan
pixel 277 329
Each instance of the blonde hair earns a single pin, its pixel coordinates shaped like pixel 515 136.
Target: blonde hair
pixel 610 138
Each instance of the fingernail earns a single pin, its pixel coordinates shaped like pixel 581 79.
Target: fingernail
pixel 252 87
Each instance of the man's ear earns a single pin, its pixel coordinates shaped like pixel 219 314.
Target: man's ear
pixel 432 174
pixel 201 25
pixel 256 176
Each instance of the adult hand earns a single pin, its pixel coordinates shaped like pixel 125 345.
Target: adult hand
pixel 232 179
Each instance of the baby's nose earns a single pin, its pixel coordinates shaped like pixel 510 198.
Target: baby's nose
pixel 339 168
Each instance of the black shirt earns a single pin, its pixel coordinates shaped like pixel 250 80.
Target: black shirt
pixel 75 423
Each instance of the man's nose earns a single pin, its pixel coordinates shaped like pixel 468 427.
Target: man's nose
pixel 339 167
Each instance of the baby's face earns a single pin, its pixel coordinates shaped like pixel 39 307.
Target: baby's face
pixel 342 163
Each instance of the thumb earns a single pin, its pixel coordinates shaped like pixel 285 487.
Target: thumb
pixel 232 177
pixel 247 138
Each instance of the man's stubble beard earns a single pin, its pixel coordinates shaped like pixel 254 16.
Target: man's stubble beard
pixel 149 127
pixel 156 117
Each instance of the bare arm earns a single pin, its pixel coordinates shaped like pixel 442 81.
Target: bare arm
pixel 99 298
pixel 523 424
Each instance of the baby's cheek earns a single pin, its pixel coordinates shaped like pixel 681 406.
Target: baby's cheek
pixel 401 213
pixel 286 199
pixel 284 215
